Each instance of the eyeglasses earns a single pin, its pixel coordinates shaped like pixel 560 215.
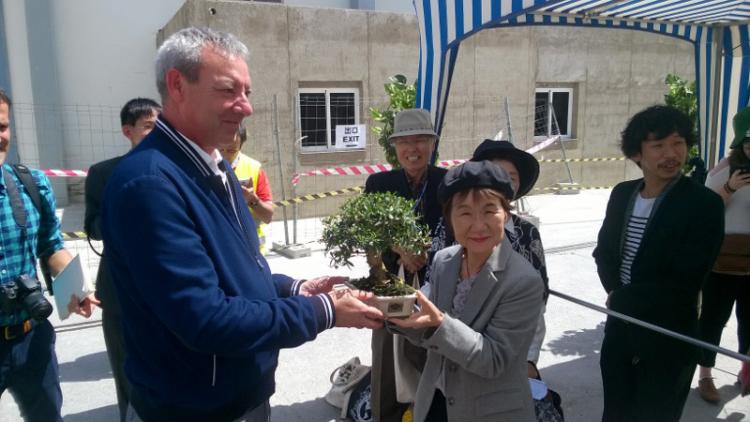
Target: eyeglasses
pixel 418 142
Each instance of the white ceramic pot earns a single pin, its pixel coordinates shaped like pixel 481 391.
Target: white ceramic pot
pixel 396 306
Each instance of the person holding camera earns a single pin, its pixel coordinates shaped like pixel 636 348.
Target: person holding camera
pixel 28 364
pixel 729 281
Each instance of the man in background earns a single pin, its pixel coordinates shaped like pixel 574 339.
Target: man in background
pixel 137 119
pixel 256 190
pixel 657 244
pixel 28 363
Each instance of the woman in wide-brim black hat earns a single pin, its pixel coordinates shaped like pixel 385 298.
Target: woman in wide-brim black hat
pixel 524 237
pixel 526 167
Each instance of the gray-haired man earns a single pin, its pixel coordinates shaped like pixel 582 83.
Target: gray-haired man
pixel 203 317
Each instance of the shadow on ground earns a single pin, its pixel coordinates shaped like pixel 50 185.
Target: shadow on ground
pixel 698 410
pixel 586 342
pixel 91 367
pixel 577 381
pixel 311 410
pixel 106 413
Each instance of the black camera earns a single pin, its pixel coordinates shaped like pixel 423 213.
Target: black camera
pixel 25 293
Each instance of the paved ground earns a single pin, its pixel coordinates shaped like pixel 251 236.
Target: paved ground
pixel 569 360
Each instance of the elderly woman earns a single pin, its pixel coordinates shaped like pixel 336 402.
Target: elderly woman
pixel 414 139
pixel 523 170
pixel 483 306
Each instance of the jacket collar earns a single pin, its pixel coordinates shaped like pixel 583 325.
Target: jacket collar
pixel 196 165
pixel 485 282
pixel 654 210
pixel 187 147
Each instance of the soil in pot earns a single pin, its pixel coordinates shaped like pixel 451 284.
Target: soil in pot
pixel 391 286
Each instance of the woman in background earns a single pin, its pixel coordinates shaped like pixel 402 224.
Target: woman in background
pixel 729 281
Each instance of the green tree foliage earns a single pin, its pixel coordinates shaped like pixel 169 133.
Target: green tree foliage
pixel 373 223
pixel 402 96
pixel 682 96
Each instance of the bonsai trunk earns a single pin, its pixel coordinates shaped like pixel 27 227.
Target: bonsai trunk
pixel 380 281
pixel 377 269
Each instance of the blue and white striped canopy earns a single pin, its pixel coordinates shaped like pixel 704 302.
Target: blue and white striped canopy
pixel 719 30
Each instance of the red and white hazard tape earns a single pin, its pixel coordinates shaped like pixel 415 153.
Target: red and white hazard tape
pixel 343 171
pixel 540 146
pixel 64 173
pixel 359 170
pixel 333 171
pixel 378 168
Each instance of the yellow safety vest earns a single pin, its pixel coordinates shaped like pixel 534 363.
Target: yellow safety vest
pixel 247 168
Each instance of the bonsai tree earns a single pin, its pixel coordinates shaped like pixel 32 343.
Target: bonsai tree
pixel 373 223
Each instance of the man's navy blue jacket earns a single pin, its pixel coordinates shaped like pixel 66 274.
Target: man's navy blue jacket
pixel 203 317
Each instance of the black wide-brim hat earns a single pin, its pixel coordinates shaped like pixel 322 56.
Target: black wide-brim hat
pixel 475 174
pixel 526 164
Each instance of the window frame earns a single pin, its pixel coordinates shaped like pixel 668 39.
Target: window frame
pixel 551 90
pixel 330 143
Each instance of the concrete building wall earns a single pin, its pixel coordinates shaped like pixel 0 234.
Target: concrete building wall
pixel 613 74
pixel 398 6
pixel 71 66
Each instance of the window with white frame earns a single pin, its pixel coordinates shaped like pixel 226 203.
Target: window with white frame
pixel 321 110
pixel 553 112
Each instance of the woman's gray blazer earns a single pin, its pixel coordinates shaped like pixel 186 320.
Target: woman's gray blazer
pixel 483 350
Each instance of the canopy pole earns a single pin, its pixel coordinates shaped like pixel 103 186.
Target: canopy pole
pixel 718 41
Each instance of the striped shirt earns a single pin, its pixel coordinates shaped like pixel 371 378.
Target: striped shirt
pixel 18 253
pixel 634 234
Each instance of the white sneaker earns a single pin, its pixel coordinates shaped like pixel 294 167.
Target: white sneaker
pixel 344 379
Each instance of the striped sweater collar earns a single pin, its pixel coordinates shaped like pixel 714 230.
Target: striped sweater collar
pixel 207 165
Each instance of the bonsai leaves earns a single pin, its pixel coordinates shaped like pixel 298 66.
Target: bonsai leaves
pixel 372 223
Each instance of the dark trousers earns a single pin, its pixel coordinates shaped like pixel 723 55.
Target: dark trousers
pixel 112 327
pixel 438 409
pixel 638 389
pixel 719 295
pixel 28 369
pixel 385 407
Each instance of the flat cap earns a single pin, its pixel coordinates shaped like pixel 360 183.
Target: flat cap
pixel 475 174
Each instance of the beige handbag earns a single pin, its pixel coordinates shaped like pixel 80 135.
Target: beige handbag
pixel 406 374
pixel 734 257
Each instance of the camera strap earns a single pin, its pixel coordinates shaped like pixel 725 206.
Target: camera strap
pixel 16 202
pixel 19 211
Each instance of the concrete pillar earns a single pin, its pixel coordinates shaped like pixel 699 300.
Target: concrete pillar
pixel 32 65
